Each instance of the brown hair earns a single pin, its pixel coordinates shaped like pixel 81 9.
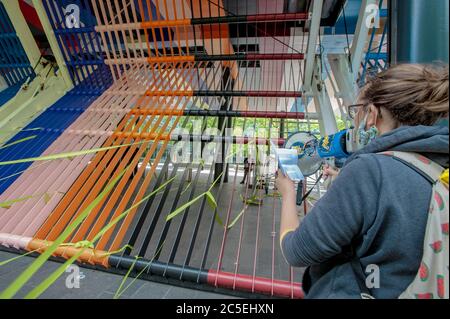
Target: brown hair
pixel 414 94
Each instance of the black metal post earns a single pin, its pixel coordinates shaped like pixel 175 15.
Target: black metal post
pixel 227 84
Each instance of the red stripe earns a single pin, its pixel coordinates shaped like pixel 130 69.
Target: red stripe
pixel 30 15
pixel 272 114
pixel 278 17
pixel 275 56
pixel 273 94
pixel 279 288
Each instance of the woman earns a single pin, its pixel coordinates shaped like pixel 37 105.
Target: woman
pixel 376 208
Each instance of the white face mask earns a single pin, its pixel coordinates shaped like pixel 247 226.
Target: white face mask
pixel 358 138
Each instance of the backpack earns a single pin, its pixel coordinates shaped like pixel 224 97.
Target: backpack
pixel 432 279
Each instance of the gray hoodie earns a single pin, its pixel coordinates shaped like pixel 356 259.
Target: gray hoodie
pixel 378 206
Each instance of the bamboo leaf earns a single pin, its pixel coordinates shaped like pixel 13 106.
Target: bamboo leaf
pixel 274 194
pixel 218 219
pixel 66 155
pixel 20 172
pixel 119 291
pixel 211 200
pixel 183 207
pixel 17 257
pixel 18 130
pixel 9 203
pixel 215 181
pixel 234 221
pixel 47 198
pixel 253 200
pixel 18 142
pixel 117 294
pixel 186 188
pixel 118 251
pixel 213 203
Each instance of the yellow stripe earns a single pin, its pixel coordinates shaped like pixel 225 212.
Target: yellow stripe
pixel 281 240
pixel 444 177
pixel 284 234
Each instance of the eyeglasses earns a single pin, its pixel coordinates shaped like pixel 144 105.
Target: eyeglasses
pixel 353 109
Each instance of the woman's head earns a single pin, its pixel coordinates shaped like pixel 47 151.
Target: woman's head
pixel 405 94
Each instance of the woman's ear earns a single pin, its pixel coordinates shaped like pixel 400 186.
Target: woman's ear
pixel 372 116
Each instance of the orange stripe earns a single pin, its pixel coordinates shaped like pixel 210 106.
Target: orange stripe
pixel 117 192
pixel 89 255
pixel 158 157
pixel 57 212
pixel 176 112
pixel 171 59
pixel 86 195
pixel 170 93
pixel 127 220
pixel 85 179
pixel 165 23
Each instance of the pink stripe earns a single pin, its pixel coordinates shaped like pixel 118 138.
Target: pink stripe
pixel 55 177
pixel 14 241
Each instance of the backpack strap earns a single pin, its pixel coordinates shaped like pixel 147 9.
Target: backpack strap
pixel 360 277
pixel 424 166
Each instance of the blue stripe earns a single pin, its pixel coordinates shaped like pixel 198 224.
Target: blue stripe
pixel 14 64
pixel 89 85
pixel 9 93
pixel 75 44
pixel 53 122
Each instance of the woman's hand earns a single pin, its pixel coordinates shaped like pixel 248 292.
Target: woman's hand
pixel 329 171
pixel 284 185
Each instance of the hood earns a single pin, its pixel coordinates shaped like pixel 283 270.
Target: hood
pixel 429 141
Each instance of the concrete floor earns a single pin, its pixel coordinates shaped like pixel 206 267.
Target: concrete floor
pixel 95 284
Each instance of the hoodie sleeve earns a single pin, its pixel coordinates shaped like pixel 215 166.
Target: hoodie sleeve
pixel 346 210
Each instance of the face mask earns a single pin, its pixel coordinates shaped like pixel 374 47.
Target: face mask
pixel 442 122
pixel 357 138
